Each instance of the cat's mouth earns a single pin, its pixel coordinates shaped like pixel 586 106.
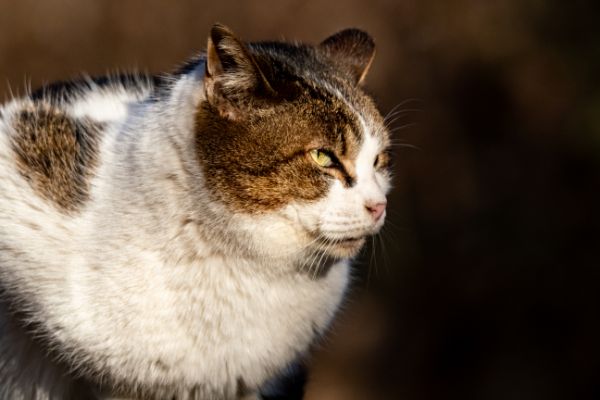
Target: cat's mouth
pixel 350 242
pixel 345 247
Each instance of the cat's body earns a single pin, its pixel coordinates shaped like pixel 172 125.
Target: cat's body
pixel 146 251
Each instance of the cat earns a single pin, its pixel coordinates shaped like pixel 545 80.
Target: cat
pixel 187 235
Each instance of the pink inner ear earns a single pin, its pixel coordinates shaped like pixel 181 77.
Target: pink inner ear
pixel 213 64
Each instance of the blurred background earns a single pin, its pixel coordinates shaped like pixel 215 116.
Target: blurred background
pixel 485 281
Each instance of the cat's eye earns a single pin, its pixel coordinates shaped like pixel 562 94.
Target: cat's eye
pixel 321 158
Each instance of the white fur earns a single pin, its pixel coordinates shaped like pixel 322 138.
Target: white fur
pixel 108 104
pixel 127 289
pixel 102 107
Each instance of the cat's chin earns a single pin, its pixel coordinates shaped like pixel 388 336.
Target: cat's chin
pixel 346 248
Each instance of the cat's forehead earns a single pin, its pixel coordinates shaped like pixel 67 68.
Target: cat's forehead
pixel 326 94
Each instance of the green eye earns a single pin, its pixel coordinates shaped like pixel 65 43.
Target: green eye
pixel 321 158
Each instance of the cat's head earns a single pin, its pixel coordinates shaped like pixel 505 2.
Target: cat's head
pixel 290 144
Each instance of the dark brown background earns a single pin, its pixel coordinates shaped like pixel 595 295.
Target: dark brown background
pixel 484 284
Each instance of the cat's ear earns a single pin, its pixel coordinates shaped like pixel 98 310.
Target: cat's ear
pixel 353 50
pixel 232 75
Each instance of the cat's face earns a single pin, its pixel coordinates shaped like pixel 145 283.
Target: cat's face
pixel 290 144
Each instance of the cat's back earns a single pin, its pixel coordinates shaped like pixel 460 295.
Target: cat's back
pixel 51 141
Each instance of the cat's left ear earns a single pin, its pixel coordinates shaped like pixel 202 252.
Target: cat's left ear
pixel 353 50
pixel 232 75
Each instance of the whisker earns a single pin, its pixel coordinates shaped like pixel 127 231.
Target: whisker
pixel 392 118
pixel 404 126
pixel 403 103
pixel 402 112
pixel 389 123
pixel 308 264
pixel 389 225
pixel 385 255
pixel 330 244
pixel 405 145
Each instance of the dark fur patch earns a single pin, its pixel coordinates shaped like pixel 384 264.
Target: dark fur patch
pixel 56 154
pixel 64 91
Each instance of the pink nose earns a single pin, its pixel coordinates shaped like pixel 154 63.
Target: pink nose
pixel 376 209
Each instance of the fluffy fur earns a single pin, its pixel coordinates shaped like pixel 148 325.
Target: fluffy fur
pixel 171 237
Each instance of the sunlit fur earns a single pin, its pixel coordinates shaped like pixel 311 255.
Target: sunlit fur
pixel 150 288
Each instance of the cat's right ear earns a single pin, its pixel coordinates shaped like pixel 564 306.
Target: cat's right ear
pixel 232 76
